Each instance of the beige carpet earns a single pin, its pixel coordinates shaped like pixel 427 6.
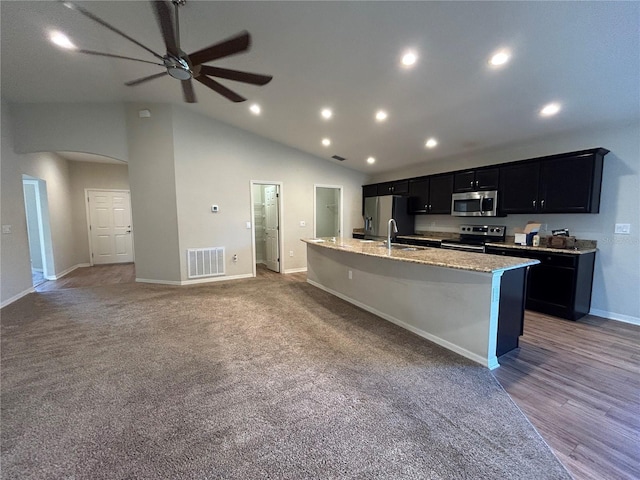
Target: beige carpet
pixel 259 378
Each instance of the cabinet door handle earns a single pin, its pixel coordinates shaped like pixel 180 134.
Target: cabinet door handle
pixel 429 207
pixel 534 204
pixel 426 207
pixel 476 183
pixel 542 204
pixel 471 183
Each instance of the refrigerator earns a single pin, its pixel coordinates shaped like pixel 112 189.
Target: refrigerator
pixel 378 211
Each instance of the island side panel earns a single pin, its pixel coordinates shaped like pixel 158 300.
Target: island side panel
pixel 457 309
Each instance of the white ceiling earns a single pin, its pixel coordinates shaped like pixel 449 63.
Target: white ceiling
pixel 345 55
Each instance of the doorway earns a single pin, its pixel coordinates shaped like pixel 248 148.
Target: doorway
pixel 109 226
pixel 327 208
pixel 38 229
pixel 266 210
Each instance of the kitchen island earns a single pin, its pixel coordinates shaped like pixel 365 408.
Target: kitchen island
pixel 470 303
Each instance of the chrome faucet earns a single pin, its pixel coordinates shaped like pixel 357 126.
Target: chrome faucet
pixel 395 230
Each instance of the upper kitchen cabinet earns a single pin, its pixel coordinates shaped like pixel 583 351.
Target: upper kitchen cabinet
pixel 398 187
pixel 566 183
pixel 572 183
pixel 476 180
pixel 370 190
pixel 518 192
pixel 431 194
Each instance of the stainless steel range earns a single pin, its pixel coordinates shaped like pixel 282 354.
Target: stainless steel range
pixel 473 237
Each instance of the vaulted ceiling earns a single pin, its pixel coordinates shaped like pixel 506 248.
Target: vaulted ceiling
pixel 346 56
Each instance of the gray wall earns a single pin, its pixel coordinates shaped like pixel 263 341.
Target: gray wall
pixel 14 247
pixel 153 192
pixel 215 163
pixel 86 127
pixel 617 270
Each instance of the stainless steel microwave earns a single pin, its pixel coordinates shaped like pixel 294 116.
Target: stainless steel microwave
pixel 475 204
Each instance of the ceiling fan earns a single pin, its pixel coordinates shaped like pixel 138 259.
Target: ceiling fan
pixel 180 65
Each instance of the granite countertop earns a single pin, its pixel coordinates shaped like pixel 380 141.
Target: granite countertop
pixel 579 250
pixel 427 256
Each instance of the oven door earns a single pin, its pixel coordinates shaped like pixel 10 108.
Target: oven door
pixel 474 204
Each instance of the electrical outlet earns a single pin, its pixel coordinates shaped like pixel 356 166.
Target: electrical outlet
pixel 291 253
pixel 235 257
pixel 6 228
pixel 350 275
pixel 623 228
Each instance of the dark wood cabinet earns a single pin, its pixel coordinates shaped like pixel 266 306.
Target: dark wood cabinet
pixel 399 187
pixel 571 184
pixel 518 191
pixel 564 183
pixel 431 195
pixel 475 180
pixel 560 285
pixel 370 190
pixel 419 242
pixel 567 183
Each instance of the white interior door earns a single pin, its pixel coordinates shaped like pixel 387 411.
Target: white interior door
pixel 272 227
pixel 110 226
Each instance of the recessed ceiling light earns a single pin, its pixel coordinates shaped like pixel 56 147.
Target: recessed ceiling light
pixel 371 160
pixel 381 115
pixel 61 40
pixel 432 142
pixel 326 113
pixel 550 109
pixel 500 58
pixel 326 142
pixel 255 109
pixel 409 59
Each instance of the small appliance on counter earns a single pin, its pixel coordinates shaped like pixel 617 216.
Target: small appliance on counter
pixel 379 210
pixel 473 237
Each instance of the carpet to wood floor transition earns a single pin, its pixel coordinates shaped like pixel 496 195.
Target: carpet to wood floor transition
pixel 246 379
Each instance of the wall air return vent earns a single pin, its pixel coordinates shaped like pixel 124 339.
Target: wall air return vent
pixel 205 262
pixel 339 158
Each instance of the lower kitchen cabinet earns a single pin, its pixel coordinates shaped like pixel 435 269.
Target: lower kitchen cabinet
pixel 560 285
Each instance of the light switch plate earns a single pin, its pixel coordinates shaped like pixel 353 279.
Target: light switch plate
pixel 623 228
pixel 248 225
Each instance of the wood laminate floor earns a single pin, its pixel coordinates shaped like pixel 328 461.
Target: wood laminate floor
pixel 579 385
pixel 577 382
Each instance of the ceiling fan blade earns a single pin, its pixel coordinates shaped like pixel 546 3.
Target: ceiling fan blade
pixel 231 46
pixel 187 91
pixel 246 77
pixel 145 79
pixel 163 15
pixel 91 52
pixel 90 15
pixel 221 89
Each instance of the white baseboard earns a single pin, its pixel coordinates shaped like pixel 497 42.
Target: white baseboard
pixel 17 297
pixel 448 345
pixel 615 316
pixel 180 283
pixel 67 271
pixel 295 270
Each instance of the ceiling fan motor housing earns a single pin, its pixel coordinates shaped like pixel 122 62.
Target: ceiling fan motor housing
pixel 177 67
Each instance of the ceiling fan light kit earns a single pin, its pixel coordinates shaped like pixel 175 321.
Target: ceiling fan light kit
pixel 178 64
